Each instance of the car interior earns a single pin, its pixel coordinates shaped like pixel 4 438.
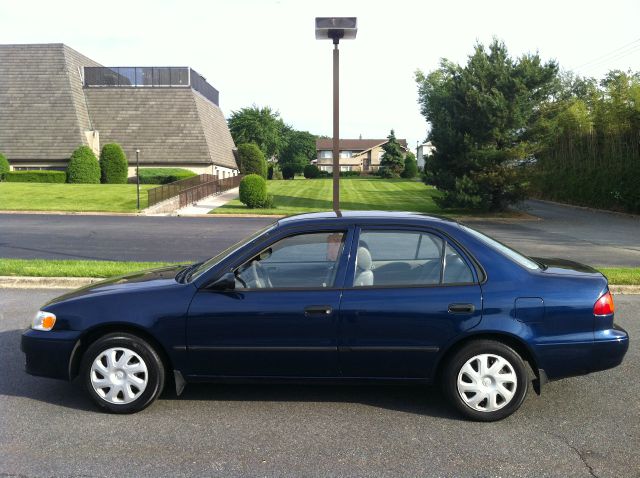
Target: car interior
pixel 384 258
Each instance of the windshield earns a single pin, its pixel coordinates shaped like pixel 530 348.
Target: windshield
pixel 505 250
pixel 209 263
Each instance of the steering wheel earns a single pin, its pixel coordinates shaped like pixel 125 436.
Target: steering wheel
pixel 260 275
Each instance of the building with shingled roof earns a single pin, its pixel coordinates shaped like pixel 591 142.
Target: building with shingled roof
pixel 54 99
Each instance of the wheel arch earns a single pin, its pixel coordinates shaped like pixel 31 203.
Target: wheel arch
pixel 516 343
pixel 94 333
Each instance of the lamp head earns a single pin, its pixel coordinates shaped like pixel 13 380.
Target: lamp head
pixel 336 28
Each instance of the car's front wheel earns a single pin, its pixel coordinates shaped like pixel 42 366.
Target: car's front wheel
pixel 486 380
pixel 122 373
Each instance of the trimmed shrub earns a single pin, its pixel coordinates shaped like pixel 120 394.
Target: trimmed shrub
pixel 164 175
pixel 114 167
pixel 251 160
pixel 277 174
pixel 35 176
pixel 288 172
pixel 83 167
pixel 311 171
pixel 253 191
pixel 4 166
pixel 410 166
pixel 349 174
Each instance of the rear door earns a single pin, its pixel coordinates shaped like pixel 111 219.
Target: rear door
pixel 407 293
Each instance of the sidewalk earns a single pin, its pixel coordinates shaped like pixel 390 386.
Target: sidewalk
pixel 207 204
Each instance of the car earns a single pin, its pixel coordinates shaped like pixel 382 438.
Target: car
pixel 351 296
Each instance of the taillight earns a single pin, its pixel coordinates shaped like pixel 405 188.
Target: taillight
pixel 604 305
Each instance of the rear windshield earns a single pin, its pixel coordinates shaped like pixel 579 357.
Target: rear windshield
pixel 501 248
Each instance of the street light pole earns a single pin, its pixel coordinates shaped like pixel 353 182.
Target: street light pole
pixel 336 28
pixel 138 176
pixel 336 125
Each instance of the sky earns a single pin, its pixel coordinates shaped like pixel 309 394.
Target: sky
pixel 265 52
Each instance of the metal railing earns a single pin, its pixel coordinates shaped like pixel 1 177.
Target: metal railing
pixel 166 191
pixel 195 193
pixel 192 189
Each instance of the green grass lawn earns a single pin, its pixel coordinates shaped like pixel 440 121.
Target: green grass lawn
pixel 76 268
pixel 71 197
pixel 622 275
pixel 308 195
pixel 72 268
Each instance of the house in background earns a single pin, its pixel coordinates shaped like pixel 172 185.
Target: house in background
pixel 355 154
pixel 54 99
pixel 423 152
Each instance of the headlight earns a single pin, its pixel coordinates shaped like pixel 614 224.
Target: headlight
pixel 43 321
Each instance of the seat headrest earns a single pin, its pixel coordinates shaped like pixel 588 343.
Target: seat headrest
pixel 363 259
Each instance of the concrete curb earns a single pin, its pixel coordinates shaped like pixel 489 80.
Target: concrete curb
pixel 24 282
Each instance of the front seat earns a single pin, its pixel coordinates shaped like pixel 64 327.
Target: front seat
pixel 364 264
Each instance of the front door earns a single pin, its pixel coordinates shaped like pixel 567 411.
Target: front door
pixel 280 320
pixel 412 292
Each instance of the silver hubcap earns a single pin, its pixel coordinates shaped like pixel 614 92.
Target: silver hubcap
pixel 487 382
pixel 119 375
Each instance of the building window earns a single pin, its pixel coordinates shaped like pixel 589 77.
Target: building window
pixel 345 168
pixel 326 154
pixel 346 154
pixel 39 168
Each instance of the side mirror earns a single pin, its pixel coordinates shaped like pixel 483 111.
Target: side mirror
pixel 226 282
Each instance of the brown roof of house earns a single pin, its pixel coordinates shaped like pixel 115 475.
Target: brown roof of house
pixel 354 144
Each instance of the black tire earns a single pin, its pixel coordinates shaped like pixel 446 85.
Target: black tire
pixel 452 369
pixel 155 371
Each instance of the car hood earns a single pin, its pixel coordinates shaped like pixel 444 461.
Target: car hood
pixel 144 279
pixel 565 267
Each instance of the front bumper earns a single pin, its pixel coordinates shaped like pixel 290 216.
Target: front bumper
pixel 48 354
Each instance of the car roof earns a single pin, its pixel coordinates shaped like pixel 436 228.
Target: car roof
pixel 378 217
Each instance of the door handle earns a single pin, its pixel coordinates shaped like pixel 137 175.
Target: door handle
pixel 318 310
pixel 461 308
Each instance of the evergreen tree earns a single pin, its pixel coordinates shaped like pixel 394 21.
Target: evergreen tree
pixel 392 162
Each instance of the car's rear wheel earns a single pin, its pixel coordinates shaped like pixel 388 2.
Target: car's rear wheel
pixel 486 380
pixel 122 373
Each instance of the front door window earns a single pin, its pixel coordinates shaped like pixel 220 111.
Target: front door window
pixel 301 261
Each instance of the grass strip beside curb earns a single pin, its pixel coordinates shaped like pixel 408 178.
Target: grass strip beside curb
pixel 72 268
pixel 103 269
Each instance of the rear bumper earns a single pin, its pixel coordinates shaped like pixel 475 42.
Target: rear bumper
pixel 605 350
pixel 609 348
pixel 48 354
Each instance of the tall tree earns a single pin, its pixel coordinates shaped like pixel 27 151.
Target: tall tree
pixel 481 117
pixel 392 162
pixel 261 126
pixel 299 150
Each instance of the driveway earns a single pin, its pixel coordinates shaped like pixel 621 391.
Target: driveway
pixel 580 427
pixel 595 238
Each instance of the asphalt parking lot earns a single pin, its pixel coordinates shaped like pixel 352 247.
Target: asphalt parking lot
pixel 584 426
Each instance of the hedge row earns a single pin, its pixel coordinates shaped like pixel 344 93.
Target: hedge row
pixel 591 170
pixel 164 175
pixel 36 176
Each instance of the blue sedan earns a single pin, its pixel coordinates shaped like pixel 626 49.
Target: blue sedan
pixel 358 296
